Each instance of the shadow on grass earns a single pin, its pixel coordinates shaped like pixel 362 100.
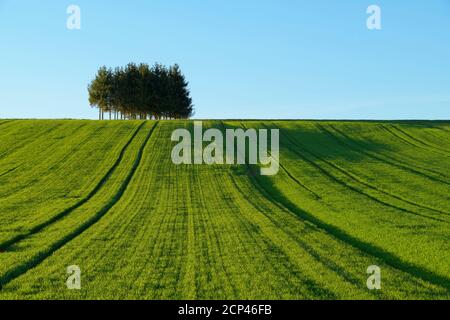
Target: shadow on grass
pixel 268 188
pixel 314 138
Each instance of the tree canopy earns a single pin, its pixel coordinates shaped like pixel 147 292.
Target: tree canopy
pixel 141 92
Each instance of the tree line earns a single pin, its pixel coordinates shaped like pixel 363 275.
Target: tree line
pixel 141 92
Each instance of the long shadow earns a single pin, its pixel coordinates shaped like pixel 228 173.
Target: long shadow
pixel 295 150
pixel 308 248
pixel 384 158
pixel 267 187
pixel 314 139
pixel 406 138
pixel 291 176
pixel 419 141
pixel 309 157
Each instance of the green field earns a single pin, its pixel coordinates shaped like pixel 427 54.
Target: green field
pixel 104 195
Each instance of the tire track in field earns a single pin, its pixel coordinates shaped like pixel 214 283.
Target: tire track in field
pixel 328 263
pixel 301 184
pixel 311 285
pixel 388 258
pixel 411 143
pixel 355 177
pixel 41 256
pixel 263 209
pixel 441 128
pixel 363 246
pixel 436 134
pixel 208 228
pixel 8 243
pixel 9 171
pixel 215 238
pixel 165 224
pixel 250 237
pixel 279 199
pixel 315 195
pixel 121 224
pixel 418 140
pixel 358 180
pixel 343 183
pixel 394 162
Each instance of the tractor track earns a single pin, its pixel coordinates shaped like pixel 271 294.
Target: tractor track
pixel 343 183
pixel 41 256
pixel 8 243
pixel 420 141
pixel 392 161
pixel 311 284
pixel 412 143
pixel 369 249
pixel 390 259
pixel 359 180
pixel 301 184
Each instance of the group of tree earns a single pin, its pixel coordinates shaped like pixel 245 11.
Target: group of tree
pixel 141 92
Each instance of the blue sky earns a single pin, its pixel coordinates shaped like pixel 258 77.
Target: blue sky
pixel 243 58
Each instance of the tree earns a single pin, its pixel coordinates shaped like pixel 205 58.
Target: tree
pixel 138 91
pixel 100 91
pixel 180 105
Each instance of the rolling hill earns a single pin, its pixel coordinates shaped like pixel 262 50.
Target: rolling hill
pixel 105 196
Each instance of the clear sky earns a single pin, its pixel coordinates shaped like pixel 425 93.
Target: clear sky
pixel 243 58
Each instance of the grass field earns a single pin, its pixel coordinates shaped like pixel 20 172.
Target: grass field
pixel 104 195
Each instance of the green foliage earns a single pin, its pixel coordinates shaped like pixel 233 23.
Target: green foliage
pixel 138 91
pixel 105 196
pixel 101 89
